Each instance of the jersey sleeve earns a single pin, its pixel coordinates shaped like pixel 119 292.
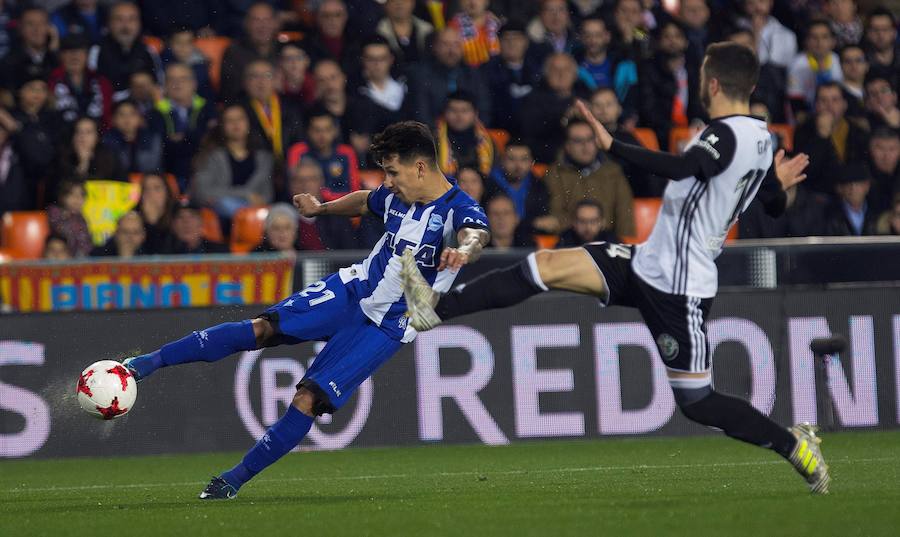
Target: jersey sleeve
pixel 771 195
pixel 376 200
pixel 713 151
pixel 471 215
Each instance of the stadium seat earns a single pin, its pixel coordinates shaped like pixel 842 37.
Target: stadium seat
pixel 154 43
pixel 371 179
pixel 646 211
pixel 732 234
pixel 500 138
pixel 212 229
pixel 5 256
pixel 23 234
pixel 786 132
pixel 678 136
pixel 647 138
pixel 547 242
pixel 285 37
pixel 539 170
pixel 213 48
pixel 247 228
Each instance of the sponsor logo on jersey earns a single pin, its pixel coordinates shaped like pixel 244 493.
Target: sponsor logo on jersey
pixel 397 213
pixel 336 169
pixel 707 146
pixel 668 346
pixel 436 222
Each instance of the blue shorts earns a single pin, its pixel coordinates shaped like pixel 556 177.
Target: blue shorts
pixel 355 348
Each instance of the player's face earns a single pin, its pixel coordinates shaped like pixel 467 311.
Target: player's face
pixel 404 180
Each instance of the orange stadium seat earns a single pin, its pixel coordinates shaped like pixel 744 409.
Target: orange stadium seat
pixel 539 170
pixel 647 138
pixel 732 234
pixel 23 233
pixel 5 256
pixel 213 48
pixel 678 136
pixel 646 211
pixel 155 43
pixel 500 138
pixel 371 179
pixel 285 37
pixel 212 229
pixel 247 228
pixel 787 135
pixel 547 242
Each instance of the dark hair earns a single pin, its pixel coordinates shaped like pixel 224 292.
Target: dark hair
pixel 125 102
pixel 406 140
pixel 817 22
pixel 577 121
pixel 881 11
pixel 606 89
pixel 171 202
pixel 879 73
pixel 55 237
pixel 68 185
pixel 376 40
pixel 593 18
pixel 849 46
pixel 517 142
pixel 588 203
pixel 735 67
pixel 831 84
pixel 884 133
pixel 319 111
pixel 215 138
pixel 460 95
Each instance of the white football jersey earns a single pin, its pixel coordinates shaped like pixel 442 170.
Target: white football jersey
pixel 697 212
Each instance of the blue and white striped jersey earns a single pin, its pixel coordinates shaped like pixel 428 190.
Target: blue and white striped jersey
pixel 426 229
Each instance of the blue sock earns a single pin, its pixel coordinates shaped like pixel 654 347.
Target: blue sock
pixel 281 437
pixel 207 345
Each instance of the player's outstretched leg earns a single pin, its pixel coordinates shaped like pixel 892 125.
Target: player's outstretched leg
pixel 740 420
pixel 209 345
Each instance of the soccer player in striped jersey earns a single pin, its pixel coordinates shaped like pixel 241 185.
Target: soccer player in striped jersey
pixel 671 279
pixel 360 310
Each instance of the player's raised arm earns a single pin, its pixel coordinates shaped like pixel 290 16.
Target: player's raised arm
pixel 353 204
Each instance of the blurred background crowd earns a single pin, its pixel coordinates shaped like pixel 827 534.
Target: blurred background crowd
pixel 216 112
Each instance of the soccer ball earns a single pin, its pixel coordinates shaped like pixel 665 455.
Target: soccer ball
pixel 106 390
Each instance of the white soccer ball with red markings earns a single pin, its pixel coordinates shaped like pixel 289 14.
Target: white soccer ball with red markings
pixel 106 390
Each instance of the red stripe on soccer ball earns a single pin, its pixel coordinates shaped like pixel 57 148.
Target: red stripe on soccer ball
pixel 82 384
pixel 122 373
pixel 112 410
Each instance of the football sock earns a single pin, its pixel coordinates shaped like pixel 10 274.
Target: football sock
pixel 736 417
pixel 207 345
pixel 281 437
pixel 499 288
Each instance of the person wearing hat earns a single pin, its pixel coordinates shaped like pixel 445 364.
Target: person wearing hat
pixel 849 214
pixel 77 90
pixel 511 75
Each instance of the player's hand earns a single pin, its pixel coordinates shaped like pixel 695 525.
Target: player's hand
pixel 453 259
pixel 790 172
pixel 603 138
pixel 307 204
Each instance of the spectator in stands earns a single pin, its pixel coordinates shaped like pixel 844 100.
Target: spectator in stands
pixel 694 16
pixel 816 65
pixel 830 138
pixel 15 190
pixel 122 52
pixel 82 157
pixel 143 90
pixel 231 173
pixel 515 179
pixel 511 75
pixel 82 17
pixel 67 221
pixel 337 161
pixel 479 30
pixel 552 27
pixel 775 44
pixel 56 249
pixel 275 123
pixel 406 34
pixel 606 108
pixel 803 217
pixel 127 241
pixel 597 65
pixel 294 81
pixel 157 209
pixel 281 227
pixel 889 221
pixel 543 110
pixel 443 74
pixel 881 101
pixel 258 43
pixel 588 225
pixel 504 223
pixel 138 149
pixel 669 86
pixel 331 41
pixel 844 21
pixel 884 153
pixel 77 90
pixel 35 131
pixel 772 82
pixel 331 94
pixel 182 118
pixel 881 42
pixel 320 232
pixel 33 56
pixel 850 215
pixel 854 67
pixel 631 38
pixel 187 234
pixel 383 99
pixel 461 138
pixel 582 173
pixel 472 183
pixel 180 49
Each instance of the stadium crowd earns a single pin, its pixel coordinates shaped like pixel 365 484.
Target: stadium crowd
pixel 214 106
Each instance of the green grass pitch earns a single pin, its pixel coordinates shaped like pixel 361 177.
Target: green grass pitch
pixel 662 486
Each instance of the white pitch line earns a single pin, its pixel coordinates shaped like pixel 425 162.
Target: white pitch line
pixel 441 474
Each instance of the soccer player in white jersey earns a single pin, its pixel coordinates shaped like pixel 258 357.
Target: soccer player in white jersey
pixel 360 310
pixel 671 279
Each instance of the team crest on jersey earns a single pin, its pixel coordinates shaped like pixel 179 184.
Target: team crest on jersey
pixel 668 346
pixel 336 169
pixel 436 222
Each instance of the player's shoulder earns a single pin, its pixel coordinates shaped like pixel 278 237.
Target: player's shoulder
pixel 457 198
